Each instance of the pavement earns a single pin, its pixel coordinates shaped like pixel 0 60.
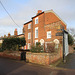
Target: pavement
pixel 15 67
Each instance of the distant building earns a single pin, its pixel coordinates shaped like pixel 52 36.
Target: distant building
pixel 9 35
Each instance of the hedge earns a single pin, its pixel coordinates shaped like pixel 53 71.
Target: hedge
pixel 13 43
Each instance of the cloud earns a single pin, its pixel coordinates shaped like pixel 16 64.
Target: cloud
pixel 22 11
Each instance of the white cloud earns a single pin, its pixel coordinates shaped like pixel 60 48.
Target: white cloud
pixel 23 12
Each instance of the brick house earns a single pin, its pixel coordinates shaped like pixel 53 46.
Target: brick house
pixel 43 28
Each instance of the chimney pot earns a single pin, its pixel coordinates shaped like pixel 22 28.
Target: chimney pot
pixel 39 11
pixel 15 32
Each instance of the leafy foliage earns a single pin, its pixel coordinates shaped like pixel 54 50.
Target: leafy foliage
pixel 13 43
pixel 51 47
pixel 70 40
pixel 1 48
pixel 37 49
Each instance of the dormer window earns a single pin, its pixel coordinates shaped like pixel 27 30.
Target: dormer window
pixel 29 26
pixel 36 20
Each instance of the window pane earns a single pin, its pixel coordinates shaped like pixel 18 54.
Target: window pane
pixel 29 26
pixel 36 20
pixel 36 32
pixel 29 45
pixel 29 35
pixel 49 34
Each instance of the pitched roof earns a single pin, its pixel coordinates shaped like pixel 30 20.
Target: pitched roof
pixel 27 22
pixel 37 15
pixel 47 12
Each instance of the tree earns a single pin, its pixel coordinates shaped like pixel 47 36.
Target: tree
pixel 70 39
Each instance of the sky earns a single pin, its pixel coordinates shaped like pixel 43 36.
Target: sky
pixel 23 10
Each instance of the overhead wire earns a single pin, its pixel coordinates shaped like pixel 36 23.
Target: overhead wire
pixel 9 14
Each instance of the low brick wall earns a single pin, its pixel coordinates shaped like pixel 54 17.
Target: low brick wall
pixel 71 50
pixel 14 55
pixel 38 58
pixel 43 58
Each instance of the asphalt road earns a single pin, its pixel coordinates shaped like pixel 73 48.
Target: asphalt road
pixel 70 62
pixel 13 67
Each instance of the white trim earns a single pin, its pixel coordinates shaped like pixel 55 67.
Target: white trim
pixel 29 45
pixel 35 42
pixel 36 20
pixel 29 35
pixel 29 26
pixel 48 34
pixel 36 35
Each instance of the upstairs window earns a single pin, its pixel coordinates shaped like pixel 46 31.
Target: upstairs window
pixel 29 35
pixel 36 32
pixel 49 34
pixel 29 26
pixel 36 20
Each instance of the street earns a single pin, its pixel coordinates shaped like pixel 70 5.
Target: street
pixel 70 62
pixel 14 67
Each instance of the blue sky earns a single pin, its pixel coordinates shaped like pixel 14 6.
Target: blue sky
pixel 22 11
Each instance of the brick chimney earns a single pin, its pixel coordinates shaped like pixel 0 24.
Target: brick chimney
pixel 8 34
pixel 15 32
pixel 39 11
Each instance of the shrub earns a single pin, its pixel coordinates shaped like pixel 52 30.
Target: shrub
pixel 1 48
pixel 13 43
pixel 50 47
pixel 70 40
pixel 37 49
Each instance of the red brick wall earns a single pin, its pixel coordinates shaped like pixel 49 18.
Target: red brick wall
pixel 38 58
pixel 40 26
pixel 47 21
pixel 26 33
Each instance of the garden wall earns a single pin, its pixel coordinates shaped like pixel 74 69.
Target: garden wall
pixel 43 58
pixel 71 50
pixel 38 58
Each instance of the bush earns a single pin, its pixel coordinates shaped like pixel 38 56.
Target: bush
pixel 1 48
pixel 13 43
pixel 37 49
pixel 50 47
pixel 70 40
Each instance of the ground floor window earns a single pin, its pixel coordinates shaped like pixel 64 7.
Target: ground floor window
pixel 29 45
pixel 36 42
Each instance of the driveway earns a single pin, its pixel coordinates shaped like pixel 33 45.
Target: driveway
pixel 70 63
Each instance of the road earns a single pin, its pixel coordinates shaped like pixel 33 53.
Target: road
pixel 70 63
pixel 14 67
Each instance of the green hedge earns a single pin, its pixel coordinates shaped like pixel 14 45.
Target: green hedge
pixel 13 43
pixel 1 47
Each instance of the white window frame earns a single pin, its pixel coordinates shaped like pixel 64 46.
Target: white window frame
pixel 48 34
pixel 29 45
pixel 36 35
pixel 29 26
pixel 36 42
pixel 29 35
pixel 36 20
